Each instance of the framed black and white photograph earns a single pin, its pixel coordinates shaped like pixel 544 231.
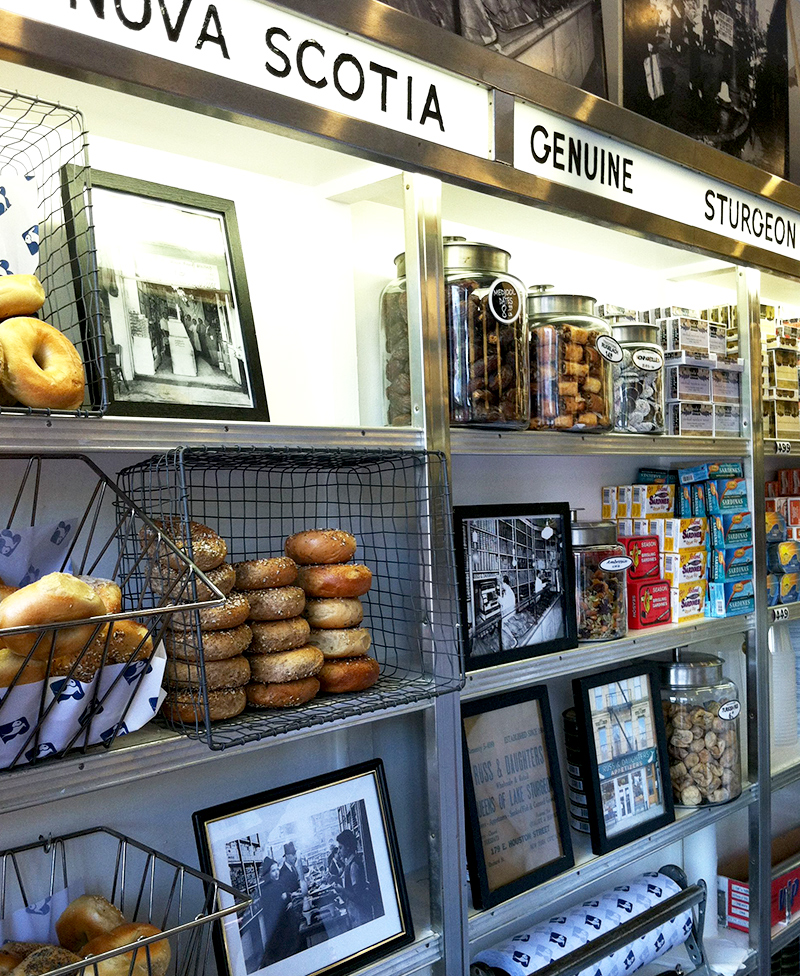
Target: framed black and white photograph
pixel 516 579
pixel 174 303
pixel 321 863
pixel 518 829
pixel 563 38
pixel 621 727
pixel 714 70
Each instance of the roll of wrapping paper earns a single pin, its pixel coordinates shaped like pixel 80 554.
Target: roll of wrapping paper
pixel 545 942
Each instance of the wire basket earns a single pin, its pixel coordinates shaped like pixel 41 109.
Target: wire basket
pixel 100 688
pixel 38 881
pixel 396 503
pixel 45 145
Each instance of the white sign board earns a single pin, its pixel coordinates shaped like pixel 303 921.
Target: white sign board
pixel 272 49
pixel 570 154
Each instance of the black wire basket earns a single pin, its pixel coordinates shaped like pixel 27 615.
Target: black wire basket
pixel 46 145
pixel 75 520
pixel 396 503
pixel 149 888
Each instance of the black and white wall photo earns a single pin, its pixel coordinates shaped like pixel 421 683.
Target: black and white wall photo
pixel 715 70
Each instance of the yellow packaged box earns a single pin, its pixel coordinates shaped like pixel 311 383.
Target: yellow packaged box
pixel 651 501
pixel 608 502
pixel 688 601
pixel 686 566
pixel 688 533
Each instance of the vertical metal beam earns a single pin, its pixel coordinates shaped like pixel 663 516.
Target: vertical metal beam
pixel 758 722
pixel 502 107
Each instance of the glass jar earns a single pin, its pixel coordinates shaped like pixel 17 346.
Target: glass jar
pixel 394 329
pixel 701 713
pixel 487 339
pixel 638 380
pixel 601 565
pixel 571 352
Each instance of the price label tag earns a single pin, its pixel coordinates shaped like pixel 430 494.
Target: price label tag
pixel 783 447
pixel 780 613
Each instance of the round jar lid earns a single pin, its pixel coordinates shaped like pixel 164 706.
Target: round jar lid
pixel 470 256
pixel 594 533
pixel 400 260
pixel 635 332
pixel 545 303
pixel 695 669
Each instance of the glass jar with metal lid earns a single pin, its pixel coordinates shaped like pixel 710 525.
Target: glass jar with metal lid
pixel 601 565
pixel 487 337
pixel 638 380
pixel 701 713
pixel 394 331
pixel 571 353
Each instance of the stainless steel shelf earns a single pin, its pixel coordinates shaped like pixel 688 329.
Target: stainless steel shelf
pixel 786 934
pixel 771 447
pixel 602 654
pixel 148 752
pixel 787 611
pixel 135 434
pixel 486 927
pixel 463 441
pixel 785 777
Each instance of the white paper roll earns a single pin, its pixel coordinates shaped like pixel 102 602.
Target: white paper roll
pixel 783 686
pixel 700 861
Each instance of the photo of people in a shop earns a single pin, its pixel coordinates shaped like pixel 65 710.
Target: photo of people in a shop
pixel 515 578
pixel 310 881
pixel 167 303
pixel 627 757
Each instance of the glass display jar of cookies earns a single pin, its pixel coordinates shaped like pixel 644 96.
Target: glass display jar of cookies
pixel 487 338
pixel 638 380
pixel 601 566
pixel 701 713
pixel 394 330
pixel 571 355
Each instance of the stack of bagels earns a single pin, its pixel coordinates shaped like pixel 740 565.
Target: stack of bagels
pixel 39 366
pixel 332 585
pixel 89 926
pixel 60 598
pixel 224 636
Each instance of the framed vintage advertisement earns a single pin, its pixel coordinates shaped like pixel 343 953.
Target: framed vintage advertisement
pixel 320 861
pixel 518 829
pixel 517 581
pixel 174 303
pixel 624 759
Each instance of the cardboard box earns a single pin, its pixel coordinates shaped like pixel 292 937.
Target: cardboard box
pixel 698 497
pixel 778 506
pixel 608 502
pixel 789 481
pixel 683 501
pixel 649 603
pixel 789 588
pixel 772 489
pixel 624 502
pixel 684 332
pixel 726 495
pixel 714 469
pixel 650 501
pixel 690 419
pixel 725 386
pixel 731 564
pixel 733 884
pixel 731 530
pixel 656 476
pixel 773 590
pixel 727 420
pixel 686 566
pixel 783 557
pixel 644 551
pixel 682 534
pixel 624 527
pixel 728 599
pixel 688 601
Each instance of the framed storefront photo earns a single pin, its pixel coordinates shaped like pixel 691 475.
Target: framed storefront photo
pixel 174 303
pixel 321 863
pixel 518 828
pixel 624 760
pixel 517 581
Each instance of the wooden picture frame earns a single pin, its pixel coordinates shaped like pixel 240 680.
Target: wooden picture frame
pixel 174 304
pixel 516 576
pixel 625 764
pixel 518 828
pixel 315 910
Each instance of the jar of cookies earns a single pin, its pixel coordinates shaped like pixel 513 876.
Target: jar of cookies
pixel 701 714
pixel 638 380
pixel 394 331
pixel 487 338
pixel 601 566
pixel 571 353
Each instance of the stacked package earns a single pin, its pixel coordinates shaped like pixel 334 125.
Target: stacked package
pixel 783 537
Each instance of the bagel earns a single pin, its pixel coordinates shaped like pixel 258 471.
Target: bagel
pixel 20 294
pixel 348 674
pixel 205 547
pixel 334 612
pixel 285 694
pixel 275 604
pixel 233 672
pixel 233 612
pixel 41 368
pixel 336 579
pixel 45 960
pixel 108 591
pixel 320 546
pixel 12 667
pixel 262 574
pixel 186 706
pixel 279 635
pixel 302 662
pixel 215 645
pixel 53 599
pixel 12 954
pixel 84 918
pixel 168 582
pixel 147 960
pixel 341 643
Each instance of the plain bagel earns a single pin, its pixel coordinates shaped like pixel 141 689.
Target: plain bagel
pixel 20 294
pixel 334 612
pixel 348 674
pixel 341 643
pixel 286 694
pixel 336 579
pixel 41 368
pixel 321 546
pixel 84 918
pixel 145 960
pixel 233 672
pixel 302 662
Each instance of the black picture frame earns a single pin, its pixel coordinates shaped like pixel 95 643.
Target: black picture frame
pixel 174 302
pixel 516 590
pixel 624 761
pixel 518 831
pixel 300 911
